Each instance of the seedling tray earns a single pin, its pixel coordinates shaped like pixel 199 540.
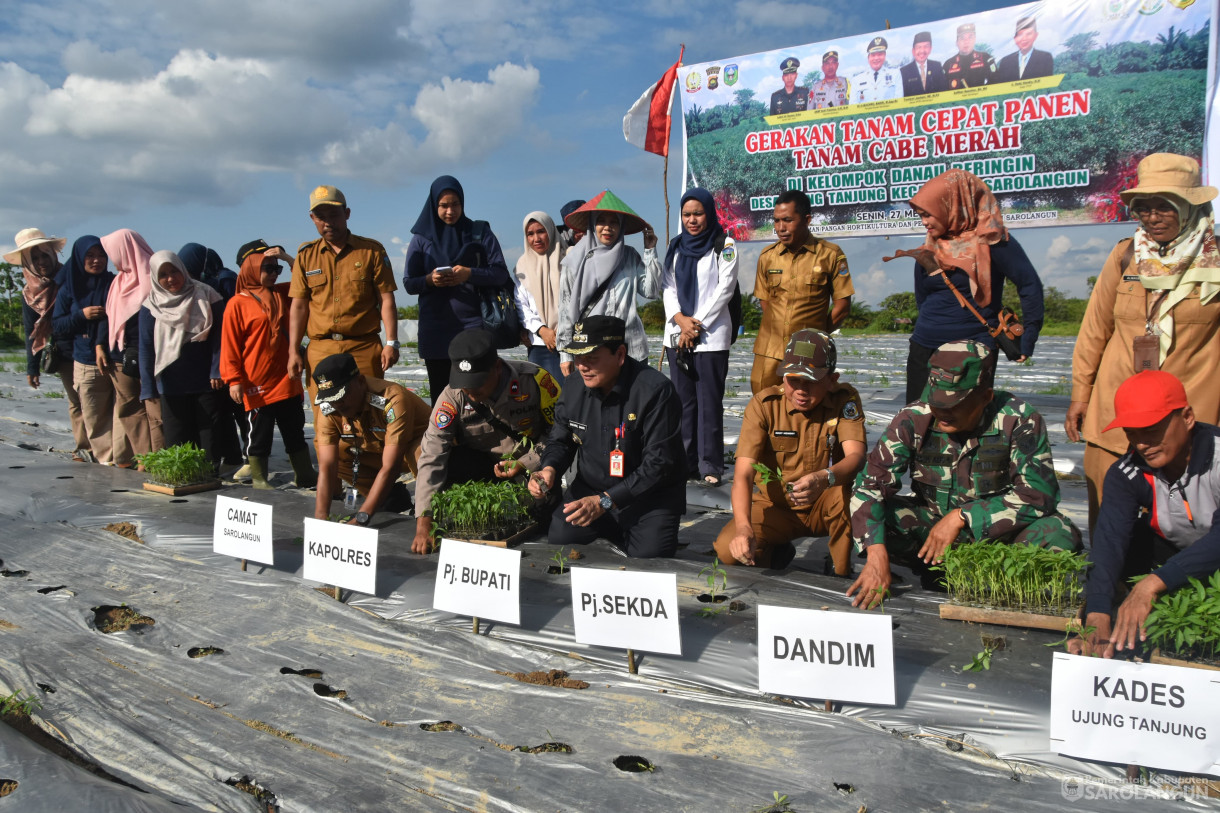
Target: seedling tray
pixel 515 539
pixel 1007 618
pixel 1157 657
pixel 178 491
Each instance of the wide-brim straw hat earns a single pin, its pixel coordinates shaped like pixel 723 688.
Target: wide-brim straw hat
pixel 582 219
pixel 1164 173
pixel 28 238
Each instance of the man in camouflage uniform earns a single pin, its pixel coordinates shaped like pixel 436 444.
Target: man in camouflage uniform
pixel 980 466
pixel 492 407
pixel 811 430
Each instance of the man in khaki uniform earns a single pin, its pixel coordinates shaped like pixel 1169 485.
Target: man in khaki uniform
pixel 367 432
pixel 342 291
pixel 491 408
pixel 810 428
pixel 796 280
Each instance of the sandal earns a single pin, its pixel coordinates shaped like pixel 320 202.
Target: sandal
pixel 711 481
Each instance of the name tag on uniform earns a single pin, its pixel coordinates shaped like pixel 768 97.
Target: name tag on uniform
pixel 576 425
pixel 313 273
pixel 1131 277
pixel 784 433
pixel 775 270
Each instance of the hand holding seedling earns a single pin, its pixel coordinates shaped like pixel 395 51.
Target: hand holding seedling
pixel 1129 620
pixel 507 469
pixel 943 534
pixel 807 489
pixel 541 483
pixel 1094 639
pixel 873 584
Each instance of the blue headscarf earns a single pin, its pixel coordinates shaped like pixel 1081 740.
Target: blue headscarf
pixel 86 289
pixel 690 248
pixel 201 262
pixel 447 241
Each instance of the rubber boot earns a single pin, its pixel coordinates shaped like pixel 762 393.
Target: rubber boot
pixel 304 474
pixel 242 473
pixel 258 472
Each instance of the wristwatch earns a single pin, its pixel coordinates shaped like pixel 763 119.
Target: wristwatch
pixel 830 477
pixel 605 502
pixel 393 343
pixel 362 519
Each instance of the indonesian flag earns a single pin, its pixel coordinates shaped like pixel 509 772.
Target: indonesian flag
pixel 646 124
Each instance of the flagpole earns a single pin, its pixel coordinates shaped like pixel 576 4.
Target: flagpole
pixel 668 128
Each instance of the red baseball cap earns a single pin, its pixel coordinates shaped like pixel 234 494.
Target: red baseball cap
pixel 1145 399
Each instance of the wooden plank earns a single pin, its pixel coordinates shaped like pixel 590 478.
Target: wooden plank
pixel 515 539
pixel 1157 657
pixel 1006 618
pixel 178 491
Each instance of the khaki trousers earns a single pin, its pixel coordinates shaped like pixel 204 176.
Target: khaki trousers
pixel 95 394
pixel 765 373
pixel 1097 461
pixel 366 352
pixel 67 376
pixel 777 525
pixel 141 427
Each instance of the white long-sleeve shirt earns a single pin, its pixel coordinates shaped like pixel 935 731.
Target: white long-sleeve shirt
pixel 717 275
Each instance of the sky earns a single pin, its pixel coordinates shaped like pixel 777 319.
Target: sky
pixel 210 121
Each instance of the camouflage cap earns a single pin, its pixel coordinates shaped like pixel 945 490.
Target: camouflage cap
pixel 810 354
pixel 957 369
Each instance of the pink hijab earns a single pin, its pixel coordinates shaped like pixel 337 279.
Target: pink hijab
pixel 129 254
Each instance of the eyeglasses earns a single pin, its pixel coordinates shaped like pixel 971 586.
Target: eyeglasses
pixel 1142 210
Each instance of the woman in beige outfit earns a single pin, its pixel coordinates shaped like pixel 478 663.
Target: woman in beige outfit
pixel 1155 306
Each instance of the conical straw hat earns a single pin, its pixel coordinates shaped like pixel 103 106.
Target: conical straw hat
pixel 607 201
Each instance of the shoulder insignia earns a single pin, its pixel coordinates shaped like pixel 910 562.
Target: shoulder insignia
pixel 546 383
pixel 378 401
pixel 389 415
pixel 1027 443
pixel 445 413
pixel 729 254
pixel 851 412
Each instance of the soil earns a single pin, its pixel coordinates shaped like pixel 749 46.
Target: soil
pixel 265 797
pixel 546 748
pixel 125 529
pixel 554 570
pixel 634 764
pixel 109 618
pixel 996 643
pixel 322 690
pixel 575 555
pixel 8 625
pixel 14 574
pixel 204 651
pixel 314 674
pixel 555 677
pixel 443 725
pixel 706 598
pixel 48 590
pixel 7 786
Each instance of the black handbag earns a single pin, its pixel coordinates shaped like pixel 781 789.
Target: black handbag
pixel 49 362
pixel 131 361
pixel 497 304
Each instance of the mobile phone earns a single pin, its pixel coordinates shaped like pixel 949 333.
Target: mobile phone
pixel 445 269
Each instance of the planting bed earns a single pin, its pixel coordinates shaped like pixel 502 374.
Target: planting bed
pixel 424 721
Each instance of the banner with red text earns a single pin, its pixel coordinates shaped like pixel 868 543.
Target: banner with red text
pixel 1051 103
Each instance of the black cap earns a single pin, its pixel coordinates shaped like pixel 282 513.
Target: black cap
pixel 922 36
pixel 568 208
pixel 473 355
pixel 332 375
pixel 249 248
pixel 595 332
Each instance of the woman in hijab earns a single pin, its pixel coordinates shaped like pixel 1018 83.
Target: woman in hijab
pixel 38 256
pixel 254 365
pixel 1154 306
pixel 79 315
pixel 119 353
pixel 537 275
pixel 180 355
pixel 602 275
pixel 969 248
pixel 698 279
pixel 449 258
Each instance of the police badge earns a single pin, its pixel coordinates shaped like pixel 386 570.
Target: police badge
pixel 713 77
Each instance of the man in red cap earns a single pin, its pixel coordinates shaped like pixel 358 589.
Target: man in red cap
pixel 1160 509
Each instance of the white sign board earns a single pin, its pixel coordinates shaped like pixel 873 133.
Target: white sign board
pixel 242 530
pixel 340 554
pixel 1164 717
pixel 829 655
pixel 478 580
pixel 627 610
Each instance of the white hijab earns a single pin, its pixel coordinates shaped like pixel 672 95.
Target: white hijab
pixel 539 273
pixel 182 317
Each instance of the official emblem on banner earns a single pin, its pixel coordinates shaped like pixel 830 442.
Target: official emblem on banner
pixel 1181 3
pixel 693 82
pixel 1153 6
pixel 713 77
pixel 731 74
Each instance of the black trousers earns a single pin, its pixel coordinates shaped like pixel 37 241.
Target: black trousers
pixel 438 376
pixel 647 529
pixel 198 418
pixel 288 415
pixel 701 393
pixel 917 370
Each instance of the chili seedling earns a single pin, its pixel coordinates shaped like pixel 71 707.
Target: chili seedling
pixel 1018 577
pixel 717 583
pixel 18 705
pixel 481 510
pixel 981 661
pixel 768 475
pixel 778 804
pixel 1186 623
pixel 176 466
pixel 560 561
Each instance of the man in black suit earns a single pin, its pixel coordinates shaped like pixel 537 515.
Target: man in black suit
pixel 923 75
pixel 1027 62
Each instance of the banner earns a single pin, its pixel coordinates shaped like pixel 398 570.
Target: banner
pixel 1053 104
